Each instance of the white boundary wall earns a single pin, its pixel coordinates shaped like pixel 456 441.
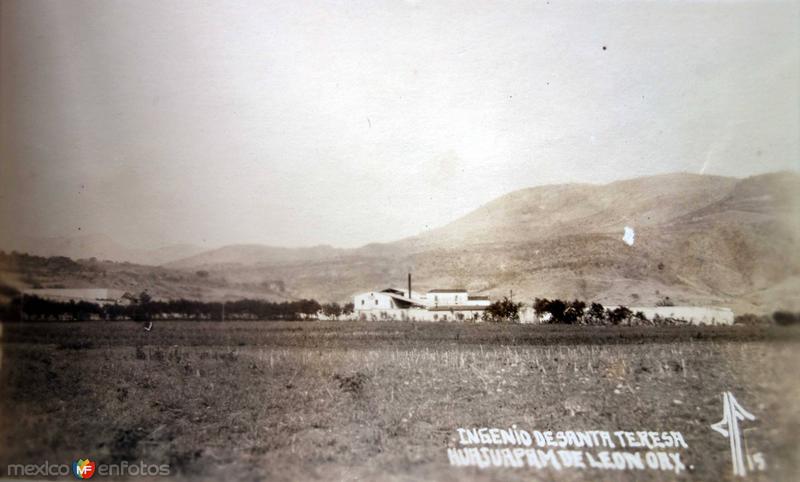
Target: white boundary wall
pixel 696 315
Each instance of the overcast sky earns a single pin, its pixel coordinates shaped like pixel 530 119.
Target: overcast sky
pixel 305 122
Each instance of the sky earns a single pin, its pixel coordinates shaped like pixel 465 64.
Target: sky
pixel 298 123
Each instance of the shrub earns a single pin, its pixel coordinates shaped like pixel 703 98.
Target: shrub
pixel 750 319
pixel 786 318
pixel 352 383
pixel 665 301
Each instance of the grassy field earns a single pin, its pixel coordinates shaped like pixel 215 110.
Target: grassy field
pixel 368 401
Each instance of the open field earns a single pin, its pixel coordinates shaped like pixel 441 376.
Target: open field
pixel 367 401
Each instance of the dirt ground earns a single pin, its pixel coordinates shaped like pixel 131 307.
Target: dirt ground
pixel 383 401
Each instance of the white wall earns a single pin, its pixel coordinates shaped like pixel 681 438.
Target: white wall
pixel 377 306
pixel 440 299
pixel 417 314
pixel 693 314
pixel 373 301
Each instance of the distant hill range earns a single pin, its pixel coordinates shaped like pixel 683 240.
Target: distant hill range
pixel 698 240
pixel 101 247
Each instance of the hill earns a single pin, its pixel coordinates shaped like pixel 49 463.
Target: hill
pixel 102 247
pixel 699 240
pixel 574 209
pixel 250 254
pixel 20 271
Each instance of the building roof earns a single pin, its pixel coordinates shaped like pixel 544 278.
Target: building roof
pixel 448 290
pixel 403 299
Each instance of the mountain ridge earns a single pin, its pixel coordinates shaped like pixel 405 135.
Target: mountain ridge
pixel 699 240
pixel 101 246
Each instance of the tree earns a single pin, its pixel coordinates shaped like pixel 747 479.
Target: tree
pixel 142 311
pixel 503 310
pixel 574 312
pixel 596 314
pixel 640 317
pixel 540 305
pixel 618 315
pixel 555 308
pixel 307 309
pixel 560 311
pixel 332 310
pixel 348 308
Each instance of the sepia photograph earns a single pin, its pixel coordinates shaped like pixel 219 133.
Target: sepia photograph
pixel 400 240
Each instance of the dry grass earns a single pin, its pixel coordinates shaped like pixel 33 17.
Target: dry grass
pixel 288 401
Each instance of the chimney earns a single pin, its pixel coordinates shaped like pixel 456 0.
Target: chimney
pixel 409 286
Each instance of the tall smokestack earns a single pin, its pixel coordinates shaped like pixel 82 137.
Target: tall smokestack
pixel 409 285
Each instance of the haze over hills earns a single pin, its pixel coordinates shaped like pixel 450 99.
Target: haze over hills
pixel 249 254
pixel 102 247
pixel 699 240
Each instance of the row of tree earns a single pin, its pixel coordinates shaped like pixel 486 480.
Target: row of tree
pixel 554 311
pixel 568 313
pixel 577 312
pixel 145 308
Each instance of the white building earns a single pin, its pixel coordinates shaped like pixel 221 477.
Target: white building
pixel 435 305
